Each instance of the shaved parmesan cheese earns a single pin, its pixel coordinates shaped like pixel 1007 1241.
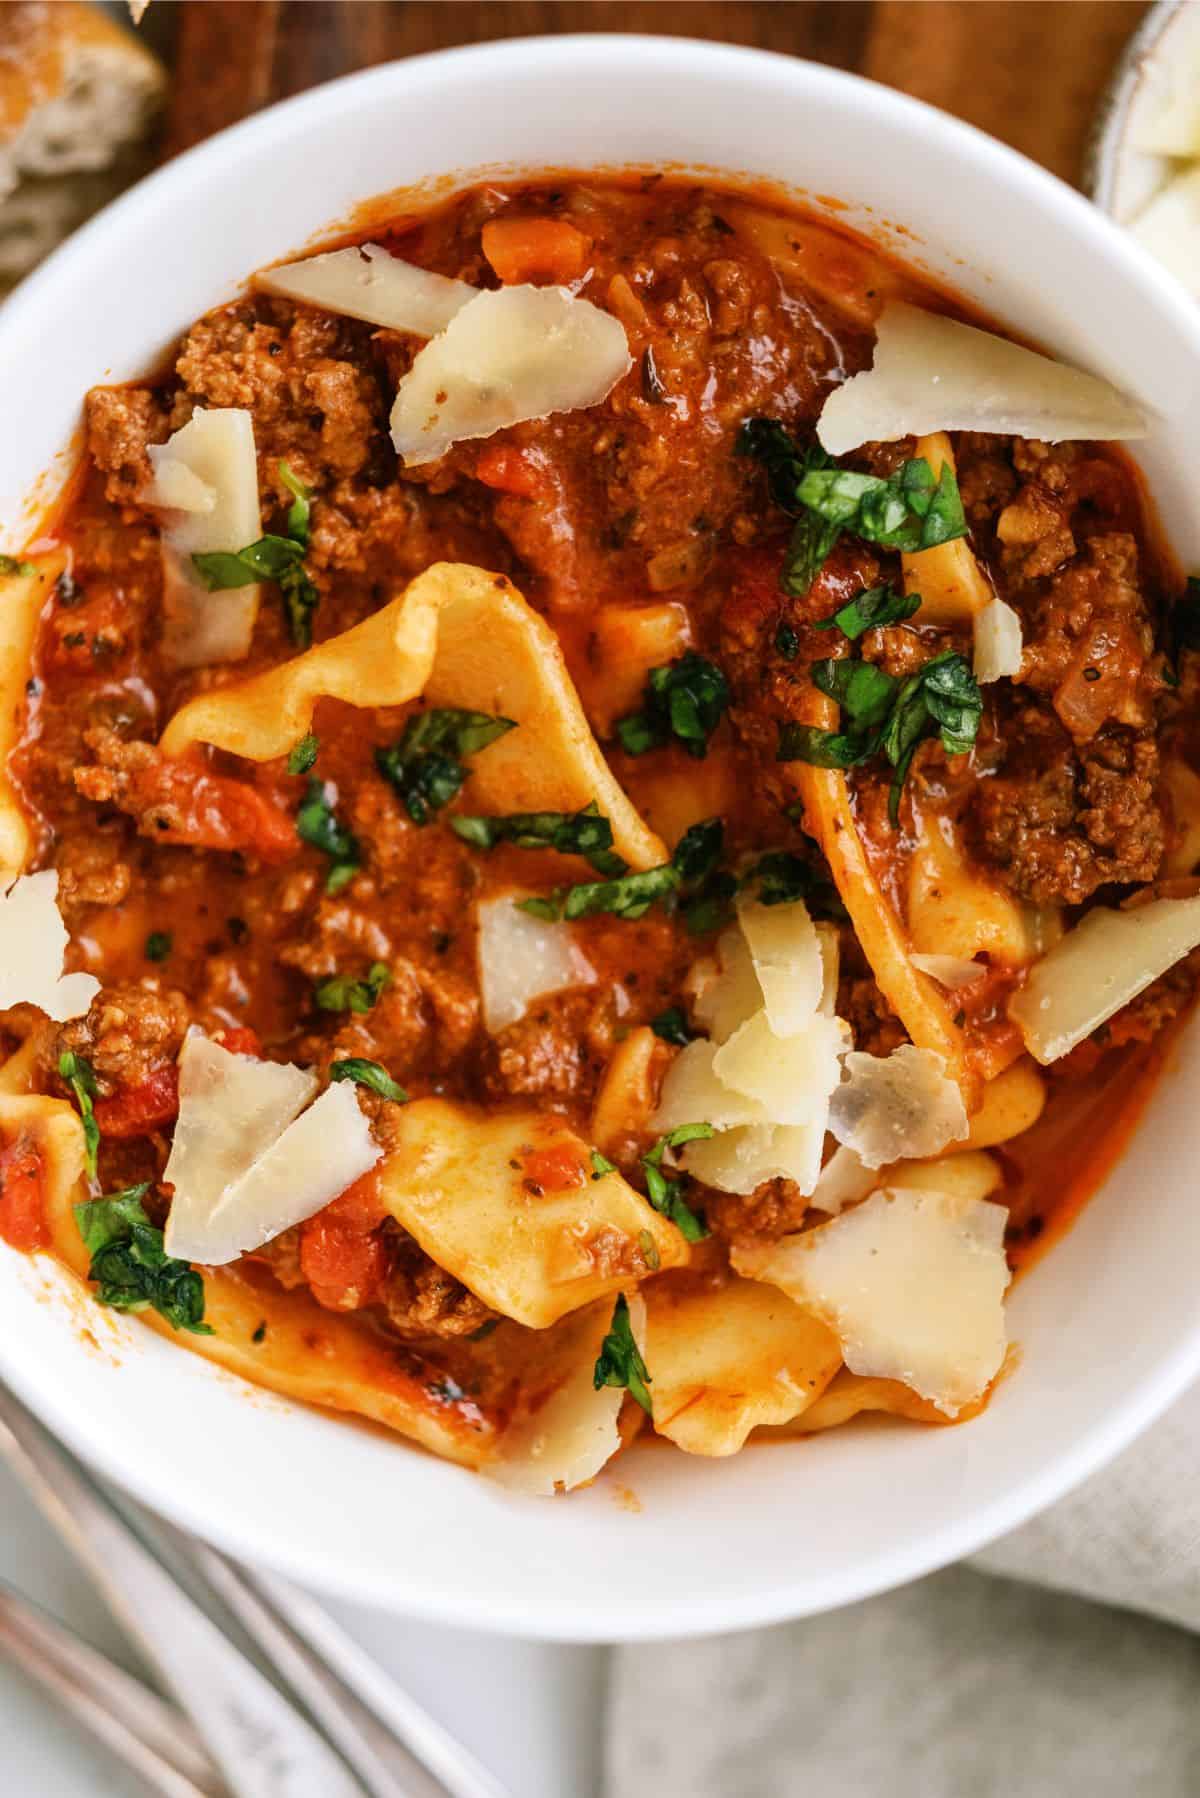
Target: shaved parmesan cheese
pixel 790 1077
pixel 522 958
pixel 787 961
pixel 34 940
pixel 692 1093
pixel 324 1151
pixel 932 373
pixel 998 642
pixel 845 1179
pixel 739 1160
pixel 912 1284
pixel 1099 966
pixel 573 1433
pixel 231 1109
pixel 216 450
pixel 1169 228
pixel 951 971
pixel 176 487
pixel 732 993
pixel 510 355
pixel 366 282
pixel 892 1107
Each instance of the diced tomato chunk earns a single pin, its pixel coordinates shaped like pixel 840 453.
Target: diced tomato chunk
pixel 213 811
pixel 239 1039
pixel 84 637
pixel 141 1108
pixel 342 1254
pixel 529 249
pixel 554 1169
pixel 509 470
pixel 22 1213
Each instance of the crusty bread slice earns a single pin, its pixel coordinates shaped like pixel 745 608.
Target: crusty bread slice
pixel 75 89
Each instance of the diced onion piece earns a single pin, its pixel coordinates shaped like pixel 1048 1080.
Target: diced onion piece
pixel 898 1106
pixel 176 487
pixel 1099 966
pixel 510 355
pixel 232 1108
pixel 791 1077
pixel 951 971
pixel 216 448
pixel 845 1179
pixel 1169 228
pixel 33 941
pixel 739 1160
pixel 366 282
pixel 732 994
pixel 569 1437
pixel 998 642
pixel 932 373
pixel 522 958
pixel 912 1283
pixel 324 1151
pixel 787 961
pixel 692 1093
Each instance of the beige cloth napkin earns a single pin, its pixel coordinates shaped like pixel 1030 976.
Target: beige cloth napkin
pixel 1059 1661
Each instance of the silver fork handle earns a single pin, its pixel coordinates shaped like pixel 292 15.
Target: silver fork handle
pixel 263 1747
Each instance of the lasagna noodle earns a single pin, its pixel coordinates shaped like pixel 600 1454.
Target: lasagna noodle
pixel 456 636
pixel 22 597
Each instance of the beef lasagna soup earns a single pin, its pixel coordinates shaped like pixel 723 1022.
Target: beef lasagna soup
pixel 600 818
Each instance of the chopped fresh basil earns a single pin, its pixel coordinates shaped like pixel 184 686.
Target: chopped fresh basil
pixel 548 907
pixel 684 699
pixel 649 1248
pixel 665 1191
pixel 672 1026
pixel 601 1165
pixel 80 1077
pixel 787 642
pixel 689 875
pixel 873 607
pixel 273 558
pixel 345 993
pixel 426 765
pixel 317 824
pixel 130 1265
pixel 619 1362
pixel 14 565
pixel 630 896
pixel 260 1335
pixel 587 833
pixel 782 877
pixel 370 1074
pixel 710 909
pixel 303 755
pixel 883 713
pixel 158 945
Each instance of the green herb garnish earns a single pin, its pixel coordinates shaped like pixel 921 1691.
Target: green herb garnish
pixel 684 699
pixel 619 1362
pixel 344 993
pixel 273 558
pixel 783 877
pixel 426 765
pixel 158 945
pixel 664 1191
pixel 787 643
pixel 370 1074
pixel 587 833
pixel 873 607
pixel 601 1165
pixel 303 755
pixel 80 1077
pixel 672 1026
pixel 317 824
pixel 14 565
pixel 631 895
pixel 130 1265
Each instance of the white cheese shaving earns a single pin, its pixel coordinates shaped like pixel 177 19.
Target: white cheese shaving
pixel 522 958
pixel 324 1151
pixel 845 1179
pixel 786 955
pixel 1169 228
pixel 176 487
pixel 231 1109
pixel 216 449
pixel 896 1107
pixel 739 1160
pixel 932 373
pixel 568 1439
pixel 731 993
pixel 692 1093
pixel 512 354
pixel 366 282
pixel 998 642
pixel 33 940
pixel 1099 966
pixel 951 971
pixel 790 1077
pixel 911 1282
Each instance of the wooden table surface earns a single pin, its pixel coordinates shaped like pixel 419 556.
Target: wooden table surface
pixel 1029 71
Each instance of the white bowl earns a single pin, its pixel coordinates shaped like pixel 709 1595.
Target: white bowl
pixel 1108 1325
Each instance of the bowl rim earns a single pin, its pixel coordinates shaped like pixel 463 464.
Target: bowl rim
pixel 1056 1474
